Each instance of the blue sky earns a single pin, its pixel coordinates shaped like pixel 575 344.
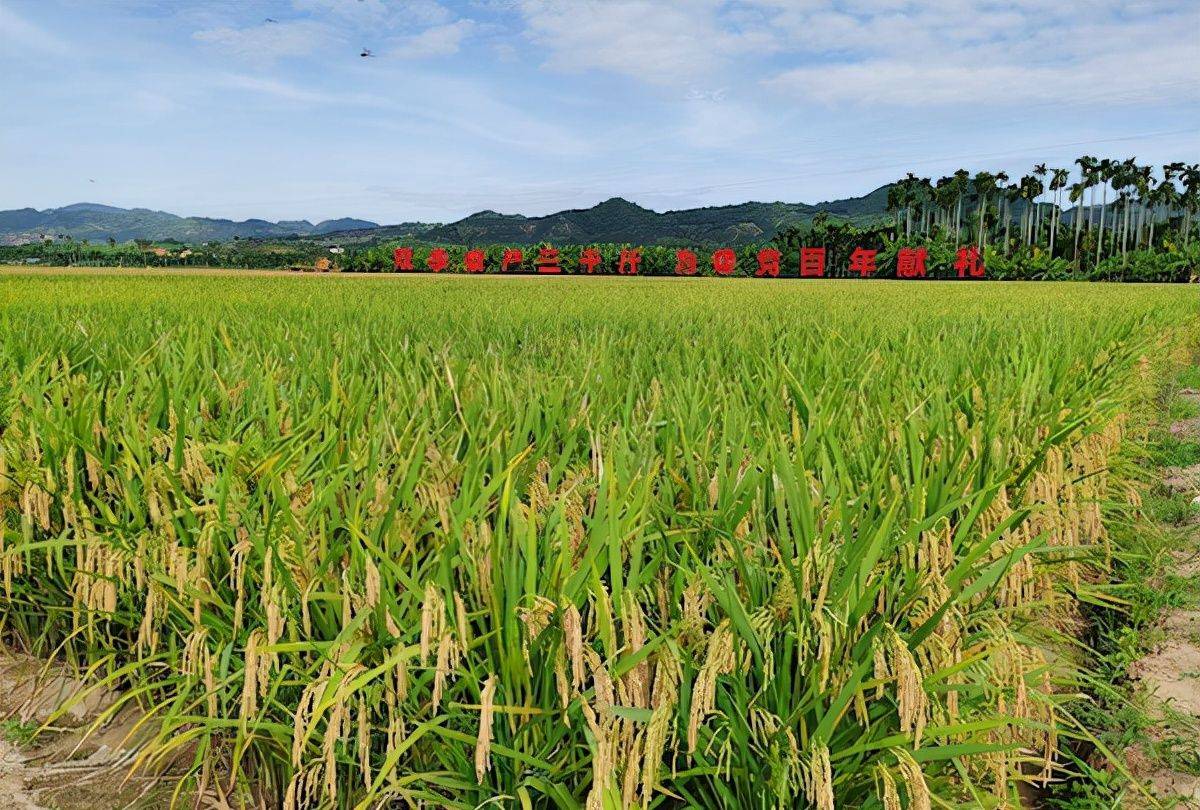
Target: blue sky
pixel 530 107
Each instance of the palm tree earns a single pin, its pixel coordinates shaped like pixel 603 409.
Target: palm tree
pixel 945 194
pixel 1120 181
pixel 962 183
pixel 1058 181
pixel 1191 197
pixel 1039 172
pixel 1164 196
pixel 1169 195
pixel 985 184
pixel 896 201
pixel 1087 176
pixel 925 199
pixel 1076 196
pixel 1105 173
pixel 1031 189
pixel 1010 193
pixel 1143 179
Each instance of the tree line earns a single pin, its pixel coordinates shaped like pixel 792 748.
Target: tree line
pixel 1148 207
pixel 1103 219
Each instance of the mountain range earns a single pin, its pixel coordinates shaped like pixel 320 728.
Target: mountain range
pixel 614 220
pixel 97 223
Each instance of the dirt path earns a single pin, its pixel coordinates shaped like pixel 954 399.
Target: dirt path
pixel 13 795
pixel 74 766
pixel 1171 672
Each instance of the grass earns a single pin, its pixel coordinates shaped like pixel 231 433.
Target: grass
pixel 572 542
pixel 1150 532
pixel 18 733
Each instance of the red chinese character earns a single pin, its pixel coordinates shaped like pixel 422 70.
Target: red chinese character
pixel 629 261
pixel 510 257
pixel 403 257
pixel 862 261
pixel 768 263
pixel 438 260
pixel 724 261
pixel 968 263
pixel 547 260
pixel 812 262
pixel 589 259
pixel 910 263
pixel 473 261
pixel 685 263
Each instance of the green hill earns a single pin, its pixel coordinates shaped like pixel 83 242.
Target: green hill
pixel 614 220
pixel 618 220
pixel 98 223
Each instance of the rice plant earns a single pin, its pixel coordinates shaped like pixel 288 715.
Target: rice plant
pixel 573 542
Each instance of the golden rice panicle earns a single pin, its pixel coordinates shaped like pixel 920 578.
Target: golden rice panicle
pixel 573 641
pixel 363 742
pixel 433 621
pixel 483 741
pixel 919 797
pixel 889 796
pixel 251 677
pixel 819 784
pixel 719 660
pixel 660 731
pixel 913 702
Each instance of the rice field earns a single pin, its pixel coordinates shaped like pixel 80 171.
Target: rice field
pixel 574 542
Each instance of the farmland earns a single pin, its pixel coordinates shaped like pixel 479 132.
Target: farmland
pixel 575 541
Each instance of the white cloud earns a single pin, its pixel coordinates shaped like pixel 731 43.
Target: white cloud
pixel 20 34
pixel 439 40
pixel 271 40
pixel 278 90
pixel 1161 75
pixel 998 60
pixel 662 43
pixel 912 52
pixel 380 12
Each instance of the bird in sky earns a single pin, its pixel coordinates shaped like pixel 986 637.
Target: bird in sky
pixel 270 20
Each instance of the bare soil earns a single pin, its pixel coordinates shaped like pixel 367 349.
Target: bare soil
pixel 75 763
pixel 1171 673
pixel 1187 429
pixel 1182 479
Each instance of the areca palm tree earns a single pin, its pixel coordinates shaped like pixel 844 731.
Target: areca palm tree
pixel 1121 180
pixel 911 183
pixel 1010 194
pixel 1032 188
pixel 925 199
pixel 945 194
pixel 1164 197
pixel 1058 181
pixel 1191 198
pixel 1104 172
pixel 985 186
pixel 895 201
pixel 1039 173
pixel 1142 180
pixel 1076 196
pixel 962 183
pixel 1088 167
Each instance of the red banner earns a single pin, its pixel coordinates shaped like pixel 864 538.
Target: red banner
pixel 811 262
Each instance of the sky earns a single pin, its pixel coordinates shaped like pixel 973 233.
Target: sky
pixel 265 108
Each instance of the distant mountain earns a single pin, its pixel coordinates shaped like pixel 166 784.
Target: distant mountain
pixel 618 220
pixel 97 223
pixel 614 220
